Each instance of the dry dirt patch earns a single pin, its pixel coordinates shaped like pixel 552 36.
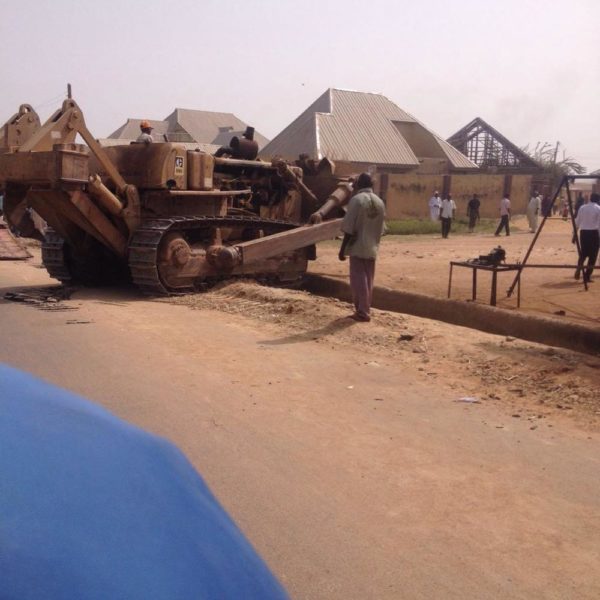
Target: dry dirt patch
pixel 530 380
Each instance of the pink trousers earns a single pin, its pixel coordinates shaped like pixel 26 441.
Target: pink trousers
pixel 362 274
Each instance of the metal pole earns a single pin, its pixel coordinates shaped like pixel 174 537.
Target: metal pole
pixel 535 237
pixel 69 96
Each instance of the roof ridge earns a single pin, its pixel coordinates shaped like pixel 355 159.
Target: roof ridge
pixel 358 92
pixel 216 112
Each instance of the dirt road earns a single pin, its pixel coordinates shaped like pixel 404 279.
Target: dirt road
pixel 343 449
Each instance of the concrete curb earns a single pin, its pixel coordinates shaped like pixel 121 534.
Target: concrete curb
pixel 467 314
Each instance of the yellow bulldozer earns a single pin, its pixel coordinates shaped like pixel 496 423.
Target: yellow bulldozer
pixel 165 216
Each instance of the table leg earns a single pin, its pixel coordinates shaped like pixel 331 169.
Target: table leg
pixel 474 294
pixel 450 281
pixel 494 282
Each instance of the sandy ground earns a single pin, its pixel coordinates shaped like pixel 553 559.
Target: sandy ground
pixel 402 458
pixel 421 264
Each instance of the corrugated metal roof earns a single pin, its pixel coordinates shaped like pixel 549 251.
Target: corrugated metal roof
pixel 346 126
pixel 211 127
pixel 131 129
pixel 456 157
pixel 300 136
pixel 360 127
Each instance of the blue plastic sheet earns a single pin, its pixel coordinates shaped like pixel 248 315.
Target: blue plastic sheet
pixel 94 508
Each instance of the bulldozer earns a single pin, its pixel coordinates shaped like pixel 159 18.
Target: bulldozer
pixel 167 217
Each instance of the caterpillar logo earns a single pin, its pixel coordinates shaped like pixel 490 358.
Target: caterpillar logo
pixel 179 165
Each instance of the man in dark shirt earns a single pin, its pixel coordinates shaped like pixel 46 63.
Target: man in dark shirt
pixel 473 212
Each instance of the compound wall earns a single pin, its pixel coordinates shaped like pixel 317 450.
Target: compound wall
pixel 407 194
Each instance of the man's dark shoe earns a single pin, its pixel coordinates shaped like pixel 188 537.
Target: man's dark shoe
pixel 360 318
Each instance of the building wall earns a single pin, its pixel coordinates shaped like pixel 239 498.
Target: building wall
pixel 407 194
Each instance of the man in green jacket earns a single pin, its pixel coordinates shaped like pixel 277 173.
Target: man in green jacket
pixel 363 226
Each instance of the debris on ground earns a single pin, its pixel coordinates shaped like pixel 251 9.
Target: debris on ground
pixel 44 298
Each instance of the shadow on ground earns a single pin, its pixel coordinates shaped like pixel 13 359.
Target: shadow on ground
pixel 314 334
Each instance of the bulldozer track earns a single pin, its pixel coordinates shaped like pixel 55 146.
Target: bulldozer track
pixel 145 242
pixel 53 257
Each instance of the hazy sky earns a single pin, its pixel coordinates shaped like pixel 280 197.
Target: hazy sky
pixel 531 68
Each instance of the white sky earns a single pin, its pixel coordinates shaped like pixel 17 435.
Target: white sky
pixel 531 68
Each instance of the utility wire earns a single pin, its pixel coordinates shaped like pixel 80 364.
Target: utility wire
pixel 50 101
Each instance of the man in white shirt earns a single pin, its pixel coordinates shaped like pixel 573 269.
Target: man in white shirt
pixel 504 215
pixel 447 211
pixel 434 206
pixel 533 210
pixel 588 223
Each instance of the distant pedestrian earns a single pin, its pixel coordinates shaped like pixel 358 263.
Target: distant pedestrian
pixel 504 215
pixel 533 210
pixel 579 202
pixel 564 210
pixel 447 212
pixel 434 206
pixel 473 212
pixel 546 206
pixel 362 226
pixel 588 223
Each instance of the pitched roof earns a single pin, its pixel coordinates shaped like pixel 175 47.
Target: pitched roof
pixel 186 125
pixel 210 127
pixel 361 127
pixel 487 147
pixel 131 129
pixel 597 172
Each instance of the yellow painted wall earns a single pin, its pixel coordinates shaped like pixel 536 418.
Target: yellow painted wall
pixel 520 193
pixel 489 188
pixel 408 193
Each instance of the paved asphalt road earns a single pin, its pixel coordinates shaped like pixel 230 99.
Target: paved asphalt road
pixel 353 478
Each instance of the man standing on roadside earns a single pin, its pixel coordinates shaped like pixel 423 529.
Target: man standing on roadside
pixel 447 212
pixel 362 226
pixel 504 215
pixel 473 212
pixel 434 206
pixel 588 223
pixel 533 210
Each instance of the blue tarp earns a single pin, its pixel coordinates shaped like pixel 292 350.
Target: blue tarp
pixel 94 508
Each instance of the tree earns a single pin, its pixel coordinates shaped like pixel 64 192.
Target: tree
pixel 554 165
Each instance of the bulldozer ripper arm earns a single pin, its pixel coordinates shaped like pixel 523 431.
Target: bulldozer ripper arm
pixel 227 257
